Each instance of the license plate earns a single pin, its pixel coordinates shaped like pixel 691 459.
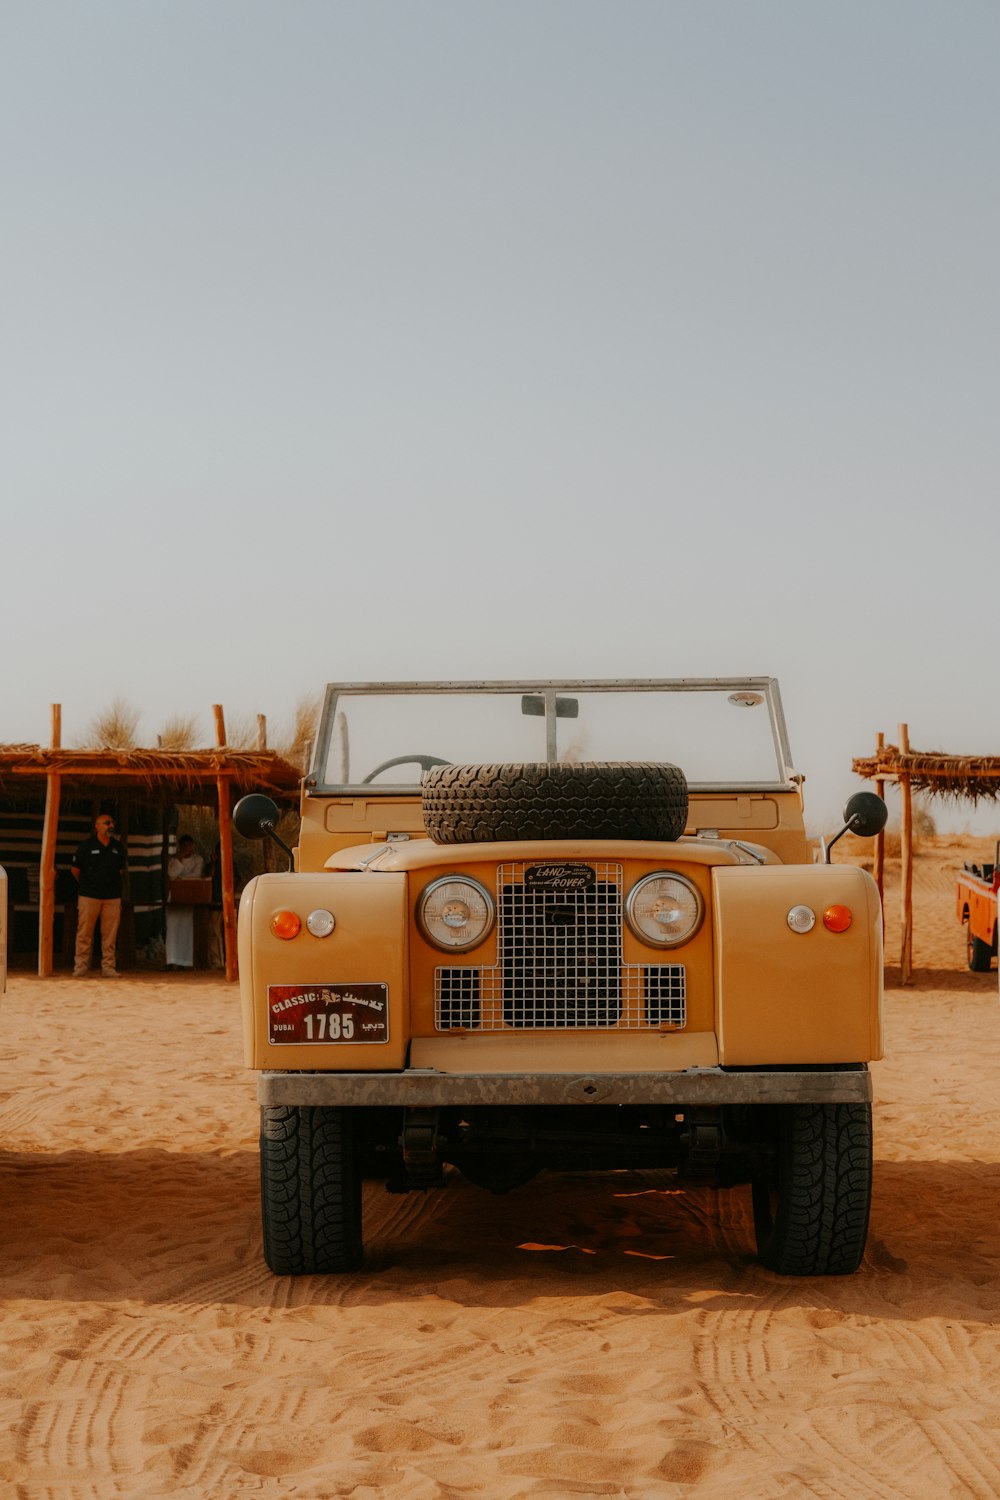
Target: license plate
pixel 327 1013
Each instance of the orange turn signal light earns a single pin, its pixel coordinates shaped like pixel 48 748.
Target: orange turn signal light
pixel 838 918
pixel 286 924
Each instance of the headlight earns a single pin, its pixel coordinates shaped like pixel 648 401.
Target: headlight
pixel 664 910
pixel 455 913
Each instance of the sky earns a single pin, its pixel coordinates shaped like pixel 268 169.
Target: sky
pixel 438 340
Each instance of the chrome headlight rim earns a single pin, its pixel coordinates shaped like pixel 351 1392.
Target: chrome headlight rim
pixel 481 892
pixel 675 941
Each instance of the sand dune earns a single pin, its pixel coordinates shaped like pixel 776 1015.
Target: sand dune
pixel 587 1335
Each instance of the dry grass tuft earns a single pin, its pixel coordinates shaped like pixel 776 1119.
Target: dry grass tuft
pixel 179 733
pixel 241 731
pixel 924 826
pixel 203 826
pixel 297 746
pixel 115 729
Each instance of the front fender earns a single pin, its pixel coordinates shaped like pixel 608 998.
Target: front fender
pixel 785 997
pixel 368 946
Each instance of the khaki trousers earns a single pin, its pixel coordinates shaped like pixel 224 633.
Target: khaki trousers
pixel 92 910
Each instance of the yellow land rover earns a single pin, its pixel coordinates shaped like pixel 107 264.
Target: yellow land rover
pixel 560 925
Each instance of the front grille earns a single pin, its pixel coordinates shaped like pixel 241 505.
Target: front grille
pixel 664 993
pixel 559 963
pixel 456 999
pixel 560 951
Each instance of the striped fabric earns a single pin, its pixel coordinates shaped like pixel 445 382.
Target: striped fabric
pixel 20 854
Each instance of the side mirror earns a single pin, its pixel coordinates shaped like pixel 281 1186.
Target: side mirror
pixel 865 815
pixel 255 816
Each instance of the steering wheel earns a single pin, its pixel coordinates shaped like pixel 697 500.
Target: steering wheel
pixel 423 761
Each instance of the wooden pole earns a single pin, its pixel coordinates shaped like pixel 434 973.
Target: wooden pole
pixel 226 852
pixel 879 863
pixel 47 872
pixel 261 731
pixel 906 864
pixel 228 885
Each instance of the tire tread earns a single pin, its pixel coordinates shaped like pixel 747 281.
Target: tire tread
pixel 310 1190
pixel 596 799
pixel 824 1173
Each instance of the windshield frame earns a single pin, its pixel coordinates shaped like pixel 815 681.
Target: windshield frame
pixel 550 689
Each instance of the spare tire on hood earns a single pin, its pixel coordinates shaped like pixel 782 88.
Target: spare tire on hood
pixel 595 800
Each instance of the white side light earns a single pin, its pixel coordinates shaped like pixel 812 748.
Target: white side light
pixel 801 919
pixel 321 923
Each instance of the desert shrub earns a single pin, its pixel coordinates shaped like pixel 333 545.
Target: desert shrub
pixel 924 826
pixel 241 731
pixel 179 733
pixel 114 729
pixel 297 742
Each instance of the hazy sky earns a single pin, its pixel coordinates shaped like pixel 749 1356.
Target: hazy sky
pixel 446 340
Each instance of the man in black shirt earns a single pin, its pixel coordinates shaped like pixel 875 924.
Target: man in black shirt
pixel 97 866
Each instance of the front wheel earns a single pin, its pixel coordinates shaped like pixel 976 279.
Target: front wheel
pixel 979 954
pixel 812 1191
pixel 310 1189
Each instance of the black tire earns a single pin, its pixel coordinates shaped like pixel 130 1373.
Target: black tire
pixel 596 800
pixel 812 1198
pixel 980 954
pixel 310 1190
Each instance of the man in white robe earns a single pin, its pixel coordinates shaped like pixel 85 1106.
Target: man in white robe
pixel 186 864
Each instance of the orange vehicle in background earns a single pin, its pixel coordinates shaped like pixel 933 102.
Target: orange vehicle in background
pixel 976 907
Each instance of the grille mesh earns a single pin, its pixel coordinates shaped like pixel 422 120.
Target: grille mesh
pixel 559 963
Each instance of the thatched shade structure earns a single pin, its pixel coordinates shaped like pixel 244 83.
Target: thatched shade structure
pixel 972 778
pixel 189 774
pixel 967 778
pixel 214 777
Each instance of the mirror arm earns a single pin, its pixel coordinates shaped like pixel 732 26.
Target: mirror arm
pixel 271 833
pixel 829 843
pixel 847 828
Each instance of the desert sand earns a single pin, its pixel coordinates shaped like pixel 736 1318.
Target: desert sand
pixel 609 1335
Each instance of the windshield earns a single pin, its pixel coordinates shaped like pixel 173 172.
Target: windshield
pixel 721 732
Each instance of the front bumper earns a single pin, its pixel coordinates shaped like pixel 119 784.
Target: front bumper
pixel 427 1088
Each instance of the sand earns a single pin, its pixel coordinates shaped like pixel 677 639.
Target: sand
pixel 602 1335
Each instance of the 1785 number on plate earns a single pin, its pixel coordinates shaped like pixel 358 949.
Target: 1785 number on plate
pixel 327 1013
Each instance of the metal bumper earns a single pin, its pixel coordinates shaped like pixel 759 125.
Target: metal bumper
pixel 423 1088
